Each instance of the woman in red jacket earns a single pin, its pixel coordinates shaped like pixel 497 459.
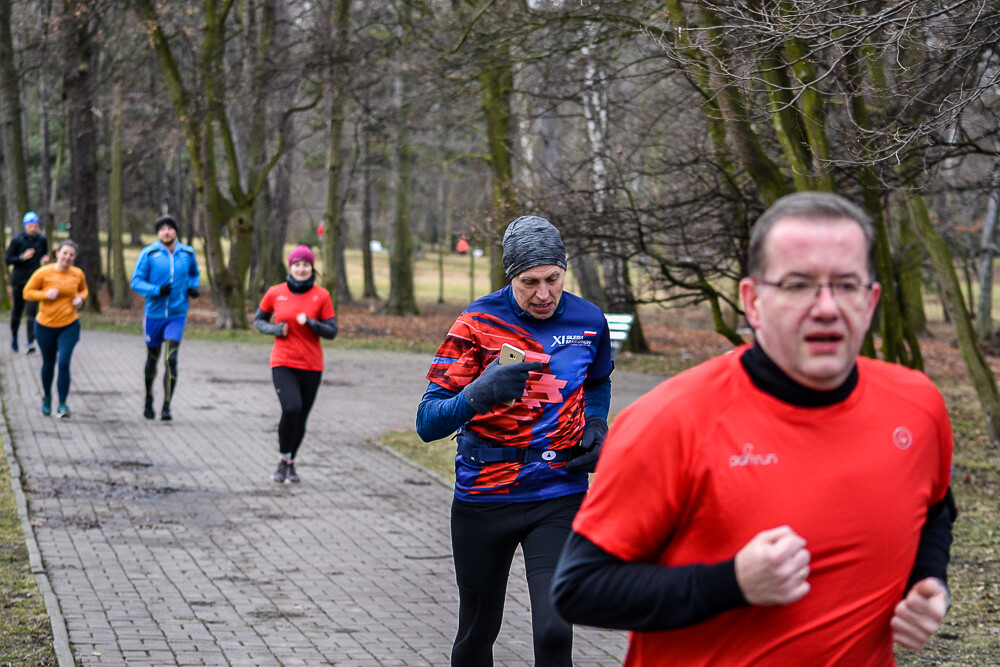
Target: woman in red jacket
pixel 297 313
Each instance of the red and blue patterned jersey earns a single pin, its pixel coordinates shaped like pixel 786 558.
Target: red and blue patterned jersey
pixel 574 344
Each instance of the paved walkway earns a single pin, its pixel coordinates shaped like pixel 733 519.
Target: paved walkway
pixel 167 543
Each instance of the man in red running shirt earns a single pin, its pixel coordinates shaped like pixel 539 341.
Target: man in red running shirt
pixel 784 504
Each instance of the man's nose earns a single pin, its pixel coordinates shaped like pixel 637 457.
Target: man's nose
pixel 825 300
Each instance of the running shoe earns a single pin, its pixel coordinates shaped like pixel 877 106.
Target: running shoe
pixel 62 412
pixel 31 348
pixel 46 405
pixel 165 412
pixel 13 345
pixel 148 411
pixel 281 474
pixel 291 475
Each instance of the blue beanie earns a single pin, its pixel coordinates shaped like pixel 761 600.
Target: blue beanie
pixel 30 217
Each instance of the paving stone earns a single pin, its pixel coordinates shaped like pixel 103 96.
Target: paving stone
pixel 167 543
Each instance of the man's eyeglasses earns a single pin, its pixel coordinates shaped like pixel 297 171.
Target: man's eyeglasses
pixel 802 292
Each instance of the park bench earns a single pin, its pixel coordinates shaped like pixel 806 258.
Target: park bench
pixel 620 325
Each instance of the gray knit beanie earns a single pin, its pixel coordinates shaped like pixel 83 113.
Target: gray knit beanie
pixel 531 241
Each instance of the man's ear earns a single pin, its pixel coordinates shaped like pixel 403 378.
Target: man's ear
pixel 873 297
pixel 749 296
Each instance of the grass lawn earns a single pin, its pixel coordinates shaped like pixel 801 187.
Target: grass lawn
pixel 25 632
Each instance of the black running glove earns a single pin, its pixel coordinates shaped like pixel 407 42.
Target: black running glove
pixel 194 292
pixel 591 442
pixel 165 289
pixel 499 384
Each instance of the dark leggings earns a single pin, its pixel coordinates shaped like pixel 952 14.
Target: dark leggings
pixel 296 392
pixel 169 369
pixel 484 537
pixel 56 342
pixel 29 308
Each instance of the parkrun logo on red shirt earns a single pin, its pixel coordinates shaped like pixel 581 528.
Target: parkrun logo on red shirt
pixel 749 458
pixel 581 340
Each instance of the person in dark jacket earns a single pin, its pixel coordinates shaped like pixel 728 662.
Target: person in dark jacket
pixel 166 273
pixel 25 253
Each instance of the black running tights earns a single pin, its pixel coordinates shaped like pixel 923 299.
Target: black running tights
pixel 296 392
pixel 169 369
pixel 30 310
pixel 484 537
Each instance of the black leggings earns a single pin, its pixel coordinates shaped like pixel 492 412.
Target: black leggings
pixel 29 308
pixel 296 392
pixel 484 537
pixel 169 369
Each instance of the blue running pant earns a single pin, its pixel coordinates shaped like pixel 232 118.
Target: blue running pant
pixel 56 345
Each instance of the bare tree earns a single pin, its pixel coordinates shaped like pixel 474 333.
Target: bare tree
pixel 78 25
pixel 200 103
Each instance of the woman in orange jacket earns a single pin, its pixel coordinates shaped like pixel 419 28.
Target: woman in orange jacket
pixel 61 289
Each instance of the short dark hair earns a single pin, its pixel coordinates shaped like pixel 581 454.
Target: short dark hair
pixel 816 206
pixel 68 242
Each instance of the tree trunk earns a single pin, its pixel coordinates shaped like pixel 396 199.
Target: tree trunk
pixel 951 296
pixel 987 252
pixel 402 297
pixel 496 83
pixel 587 274
pixel 259 33
pixel 911 278
pixel 121 295
pixel 617 284
pixel 273 236
pixel 366 213
pixel 14 179
pixel 338 24
pixel 813 114
pixel 585 268
pixel 12 134
pixel 50 220
pixel 78 87
pixel 444 235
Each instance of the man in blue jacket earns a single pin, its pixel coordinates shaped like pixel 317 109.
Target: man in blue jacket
pixel 166 274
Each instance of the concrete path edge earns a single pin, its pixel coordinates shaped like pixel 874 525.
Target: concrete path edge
pixel 60 636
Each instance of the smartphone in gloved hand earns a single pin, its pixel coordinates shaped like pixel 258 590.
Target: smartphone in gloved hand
pixel 510 355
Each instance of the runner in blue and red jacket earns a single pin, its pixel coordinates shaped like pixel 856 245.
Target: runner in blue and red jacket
pixel 521 469
pixel 166 274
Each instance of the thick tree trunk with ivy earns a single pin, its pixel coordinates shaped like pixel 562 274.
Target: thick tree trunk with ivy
pixel 954 301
